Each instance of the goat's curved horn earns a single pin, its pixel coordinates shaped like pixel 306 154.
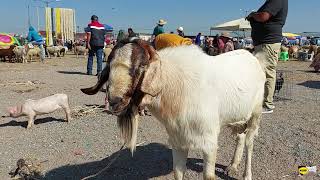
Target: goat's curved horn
pixel 102 80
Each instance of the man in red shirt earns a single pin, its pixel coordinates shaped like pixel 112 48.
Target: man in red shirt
pixel 95 43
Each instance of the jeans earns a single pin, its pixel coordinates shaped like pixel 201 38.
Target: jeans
pixel 98 51
pixel 42 50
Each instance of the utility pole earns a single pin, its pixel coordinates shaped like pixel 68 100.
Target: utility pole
pixel 38 18
pixel 29 22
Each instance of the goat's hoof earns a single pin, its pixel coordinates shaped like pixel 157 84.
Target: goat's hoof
pixel 231 171
pixel 247 178
pixel 29 127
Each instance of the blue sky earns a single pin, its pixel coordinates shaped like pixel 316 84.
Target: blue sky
pixel 142 15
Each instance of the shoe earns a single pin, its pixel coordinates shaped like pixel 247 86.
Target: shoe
pixel 89 74
pixel 267 111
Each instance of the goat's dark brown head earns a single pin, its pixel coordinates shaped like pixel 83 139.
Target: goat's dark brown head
pixel 132 70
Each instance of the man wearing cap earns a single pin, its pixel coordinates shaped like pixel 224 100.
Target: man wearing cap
pixel 267 24
pixel 95 43
pixel 180 31
pixel 159 28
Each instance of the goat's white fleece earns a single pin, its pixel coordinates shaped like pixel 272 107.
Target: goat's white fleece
pixel 206 92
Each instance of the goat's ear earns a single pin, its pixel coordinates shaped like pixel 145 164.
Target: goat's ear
pixel 151 83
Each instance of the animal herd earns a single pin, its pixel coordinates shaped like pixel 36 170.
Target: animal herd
pixel 26 53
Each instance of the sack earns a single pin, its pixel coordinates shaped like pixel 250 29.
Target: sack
pixel 170 40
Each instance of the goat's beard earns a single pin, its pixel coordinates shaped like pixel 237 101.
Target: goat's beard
pixel 128 124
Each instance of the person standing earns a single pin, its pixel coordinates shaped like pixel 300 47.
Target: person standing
pixel 95 43
pixel 180 31
pixel 267 24
pixel 36 39
pixel 131 33
pixel 121 35
pixel 159 29
pixel 198 39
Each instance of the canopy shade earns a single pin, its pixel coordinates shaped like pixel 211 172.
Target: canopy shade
pixel 234 25
pixel 108 28
pixel 290 35
pixel 7 40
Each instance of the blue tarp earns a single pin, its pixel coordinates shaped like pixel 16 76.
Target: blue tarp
pixel 108 28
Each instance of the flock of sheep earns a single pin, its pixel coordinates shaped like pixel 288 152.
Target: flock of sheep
pixel 23 54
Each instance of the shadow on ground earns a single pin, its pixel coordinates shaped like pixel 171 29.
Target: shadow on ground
pixel 72 72
pixel 149 161
pixel 14 123
pixel 309 71
pixel 311 84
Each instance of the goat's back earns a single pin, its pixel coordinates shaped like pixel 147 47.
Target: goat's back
pixel 231 84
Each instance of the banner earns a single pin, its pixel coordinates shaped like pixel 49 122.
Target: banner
pixel 65 24
pixel 58 21
pixel 48 27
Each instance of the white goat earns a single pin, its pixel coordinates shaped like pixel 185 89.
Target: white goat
pixel 192 94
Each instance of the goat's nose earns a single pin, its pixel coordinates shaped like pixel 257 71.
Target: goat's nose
pixel 114 101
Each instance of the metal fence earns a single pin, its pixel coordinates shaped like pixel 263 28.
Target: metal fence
pixel 288 88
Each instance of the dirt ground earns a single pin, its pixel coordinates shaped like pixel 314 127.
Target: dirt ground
pixel 287 138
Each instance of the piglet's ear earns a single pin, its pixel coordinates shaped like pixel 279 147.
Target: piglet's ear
pixel 10 110
pixel 151 83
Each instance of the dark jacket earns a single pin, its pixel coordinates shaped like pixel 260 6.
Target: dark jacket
pixel 98 32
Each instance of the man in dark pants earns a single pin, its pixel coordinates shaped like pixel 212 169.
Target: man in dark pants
pixel 267 24
pixel 95 43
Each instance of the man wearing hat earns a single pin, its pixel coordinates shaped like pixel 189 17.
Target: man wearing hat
pixel 159 28
pixel 267 24
pixel 95 43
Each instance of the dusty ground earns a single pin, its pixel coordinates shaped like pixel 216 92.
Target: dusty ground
pixel 287 138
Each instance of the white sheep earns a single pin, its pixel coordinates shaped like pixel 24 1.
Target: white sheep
pixel 31 52
pixel 80 50
pixel 192 94
pixel 53 50
pixel 20 53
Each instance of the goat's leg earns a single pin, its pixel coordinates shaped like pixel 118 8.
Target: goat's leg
pixel 179 162
pixel 210 164
pixel 252 130
pixel 232 169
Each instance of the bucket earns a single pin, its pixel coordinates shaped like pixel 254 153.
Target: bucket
pixel 284 56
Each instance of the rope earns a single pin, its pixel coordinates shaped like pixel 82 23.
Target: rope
pixel 108 165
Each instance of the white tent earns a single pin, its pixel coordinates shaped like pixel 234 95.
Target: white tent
pixel 235 25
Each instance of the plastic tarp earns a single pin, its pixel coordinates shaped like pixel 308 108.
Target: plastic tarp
pixel 7 40
pixel 234 25
pixel 290 35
